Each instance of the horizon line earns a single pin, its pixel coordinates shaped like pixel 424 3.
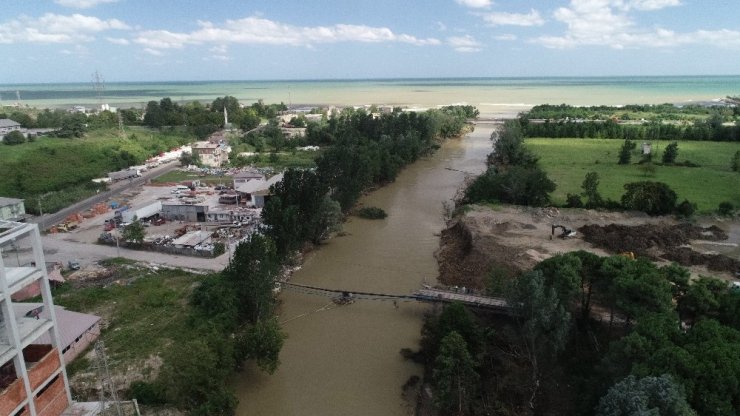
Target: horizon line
pixel 381 79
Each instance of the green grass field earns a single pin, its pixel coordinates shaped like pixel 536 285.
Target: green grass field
pixel 567 161
pixel 145 315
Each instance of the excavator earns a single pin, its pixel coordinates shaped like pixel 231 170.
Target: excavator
pixel 566 232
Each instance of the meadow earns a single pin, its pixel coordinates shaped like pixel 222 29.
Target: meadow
pixel 64 167
pixel 567 161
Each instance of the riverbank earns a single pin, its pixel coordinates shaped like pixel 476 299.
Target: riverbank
pixel 512 239
pixel 345 360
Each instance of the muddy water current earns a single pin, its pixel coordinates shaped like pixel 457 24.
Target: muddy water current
pixel 344 360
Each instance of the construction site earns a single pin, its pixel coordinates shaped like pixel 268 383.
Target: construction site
pixel 513 239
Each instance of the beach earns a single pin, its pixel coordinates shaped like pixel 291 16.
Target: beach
pixel 494 97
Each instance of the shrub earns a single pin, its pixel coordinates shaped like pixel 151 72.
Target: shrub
pixel 685 208
pixel 725 208
pixel 14 137
pixel 371 213
pixel 219 248
pixel 654 198
pixel 573 201
pixel 147 393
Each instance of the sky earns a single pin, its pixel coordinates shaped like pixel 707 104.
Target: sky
pixel 178 40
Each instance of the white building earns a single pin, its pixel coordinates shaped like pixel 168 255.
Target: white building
pixel 7 125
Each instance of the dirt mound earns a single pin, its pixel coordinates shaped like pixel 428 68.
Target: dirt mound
pixel 661 241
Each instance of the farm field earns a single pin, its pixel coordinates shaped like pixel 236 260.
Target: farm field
pixel 567 161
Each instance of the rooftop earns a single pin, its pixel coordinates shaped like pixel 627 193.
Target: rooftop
pixel 6 122
pixel 4 201
pixel 69 324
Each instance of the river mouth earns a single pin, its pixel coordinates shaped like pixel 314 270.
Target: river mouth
pixel 345 359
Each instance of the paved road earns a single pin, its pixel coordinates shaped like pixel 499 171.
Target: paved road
pixel 116 188
pixel 57 248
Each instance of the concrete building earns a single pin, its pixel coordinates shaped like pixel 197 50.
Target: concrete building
pixel 12 209
pixel 174 211
pixel 7 125
pixel 33 379
pixel 229 216
pixel 210 154
pixel 257 191
pixel 246 176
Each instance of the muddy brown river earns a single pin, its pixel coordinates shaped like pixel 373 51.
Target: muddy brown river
pixel 344 360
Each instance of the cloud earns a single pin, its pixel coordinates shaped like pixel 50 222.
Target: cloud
pixel 78 50
pixel 505 37
pixel 608 23
pixel 475 4
pixel 651 4
pixel 118 41
pixel 259 31
pixel 54 28
pixel 82 4
pixel 532 18
pixel 155 52
pixel 464 43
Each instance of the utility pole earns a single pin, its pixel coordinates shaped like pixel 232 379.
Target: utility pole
pixel 106 383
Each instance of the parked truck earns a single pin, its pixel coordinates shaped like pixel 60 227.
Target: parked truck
pixel 124 174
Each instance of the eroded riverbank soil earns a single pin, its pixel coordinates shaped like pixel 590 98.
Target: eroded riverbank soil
pixel 513 239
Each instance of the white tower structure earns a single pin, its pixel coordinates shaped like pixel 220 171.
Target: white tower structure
pixel 33 379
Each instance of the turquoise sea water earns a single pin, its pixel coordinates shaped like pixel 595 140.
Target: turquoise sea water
pixel 490 95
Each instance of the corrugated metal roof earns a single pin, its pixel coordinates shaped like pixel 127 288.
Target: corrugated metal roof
pixel 70 325
pixel 6 122
pixel 192 239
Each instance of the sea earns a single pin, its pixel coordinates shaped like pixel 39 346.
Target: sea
pixel 492 96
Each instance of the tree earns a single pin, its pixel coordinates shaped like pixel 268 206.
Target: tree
pixel 518 185
pixel 543 320
pixel 670 153
pixel 454 375
pixel 252 273
pixel 194 375
pixel 645 396
pixel 509 149
pixel 262 342
pixel 327 220
pixel 590 188
pixel 153 115
pixel 14 137
pixel 654 198
pixel 702 298
pixel 73 126
pixel 625 152
pixel 134 232
pixel 189 158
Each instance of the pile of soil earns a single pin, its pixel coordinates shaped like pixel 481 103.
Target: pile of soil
pixel 661 241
